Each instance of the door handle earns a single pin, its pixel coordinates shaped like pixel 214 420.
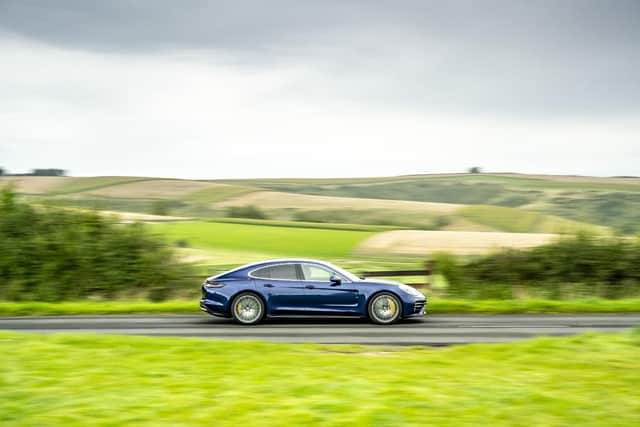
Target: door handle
pixel 309 286
pixel 268 285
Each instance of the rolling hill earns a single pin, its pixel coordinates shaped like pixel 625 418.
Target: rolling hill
pixel 611 202
pixel 460 202
pixel 408 216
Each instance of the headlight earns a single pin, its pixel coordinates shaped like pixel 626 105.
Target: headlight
pixel 410 290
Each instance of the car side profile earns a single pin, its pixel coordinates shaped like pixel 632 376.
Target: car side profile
pixel 293 287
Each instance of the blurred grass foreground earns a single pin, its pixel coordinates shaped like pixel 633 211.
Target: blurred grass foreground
pixel 79 380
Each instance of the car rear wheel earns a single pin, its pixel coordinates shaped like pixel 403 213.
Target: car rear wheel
pixel 247 308
pixel 384 308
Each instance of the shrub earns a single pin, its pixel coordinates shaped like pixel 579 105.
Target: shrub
pixel 249 211
pixel 161 207
pixel 441 221
pixel 55 254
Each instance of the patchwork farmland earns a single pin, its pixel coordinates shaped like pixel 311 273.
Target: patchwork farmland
pixel 464 214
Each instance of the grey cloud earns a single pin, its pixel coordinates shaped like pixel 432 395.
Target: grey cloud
pixel 137 25
pixel 528 57
pixel 123 25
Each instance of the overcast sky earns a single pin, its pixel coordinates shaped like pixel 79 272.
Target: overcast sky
pixel 224 89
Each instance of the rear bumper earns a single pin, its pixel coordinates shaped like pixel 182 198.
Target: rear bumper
pixel 214 308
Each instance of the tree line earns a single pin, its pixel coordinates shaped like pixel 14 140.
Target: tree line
pixel 36 172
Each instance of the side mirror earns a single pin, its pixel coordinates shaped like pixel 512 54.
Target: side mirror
pixel 335 280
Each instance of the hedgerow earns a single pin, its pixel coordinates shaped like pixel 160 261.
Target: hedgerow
pixel 49 254
pixel 574 267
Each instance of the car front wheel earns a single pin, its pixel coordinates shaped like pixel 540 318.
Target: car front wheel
pixel 247 308
pixel 384 308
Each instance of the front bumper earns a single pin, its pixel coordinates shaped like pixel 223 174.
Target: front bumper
pixel 415 308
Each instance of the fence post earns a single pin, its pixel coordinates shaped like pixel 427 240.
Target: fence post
pixel 429 267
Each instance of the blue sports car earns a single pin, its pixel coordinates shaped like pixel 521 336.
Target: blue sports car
pixel 292 287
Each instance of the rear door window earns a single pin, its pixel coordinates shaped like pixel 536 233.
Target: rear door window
pixel 278 272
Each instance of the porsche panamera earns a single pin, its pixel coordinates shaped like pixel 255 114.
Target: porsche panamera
pixel 294 287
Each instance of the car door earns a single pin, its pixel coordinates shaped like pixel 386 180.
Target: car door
pixel 327 297
pixel 282 286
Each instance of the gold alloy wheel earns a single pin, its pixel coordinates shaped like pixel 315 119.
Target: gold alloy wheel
pixel 385 308
pixel 247 308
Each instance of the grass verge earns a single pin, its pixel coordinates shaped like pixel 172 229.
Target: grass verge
pixel 83 379
pixel 435 306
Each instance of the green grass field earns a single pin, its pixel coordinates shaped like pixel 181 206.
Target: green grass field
pixel 276 240
pixel 435 306
pixel 82 379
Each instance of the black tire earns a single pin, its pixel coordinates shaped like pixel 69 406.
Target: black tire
pixel 384 308
pixel 247 308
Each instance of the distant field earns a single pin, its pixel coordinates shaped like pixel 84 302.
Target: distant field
pixel 423 243
pixel 278 241
pixel 539 203
pixel 153 189
pixel 140 217
pixel 326 209
pixel 521 221
pixel 520 180
pixel 84 379
pixel 275 200
pixel 218 192
pixel 129 194
pixel 169 189
pixel 34 184
pixel 408 213
pixel 126 187
pixel 302 224
pixel 611 202
pixel 77 185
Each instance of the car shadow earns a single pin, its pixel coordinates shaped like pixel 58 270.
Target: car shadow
pixel 307 320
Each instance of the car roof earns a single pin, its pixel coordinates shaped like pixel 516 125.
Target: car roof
pixel 267 263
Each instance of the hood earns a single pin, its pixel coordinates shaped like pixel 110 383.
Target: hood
pixel 380 282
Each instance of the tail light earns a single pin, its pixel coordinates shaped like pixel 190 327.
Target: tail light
pixel 211 284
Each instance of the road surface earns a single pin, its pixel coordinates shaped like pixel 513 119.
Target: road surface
pixel 430 330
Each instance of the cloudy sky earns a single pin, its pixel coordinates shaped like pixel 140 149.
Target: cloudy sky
pixel 219 89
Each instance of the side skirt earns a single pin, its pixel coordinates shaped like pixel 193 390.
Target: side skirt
pixel 315 316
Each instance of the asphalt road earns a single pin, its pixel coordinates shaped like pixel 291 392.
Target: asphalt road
pixel 430 330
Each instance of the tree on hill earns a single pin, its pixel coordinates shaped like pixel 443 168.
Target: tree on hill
pixel 48 172
pixel 475 169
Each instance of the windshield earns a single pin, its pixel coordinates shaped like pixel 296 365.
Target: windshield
pixel 343 272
